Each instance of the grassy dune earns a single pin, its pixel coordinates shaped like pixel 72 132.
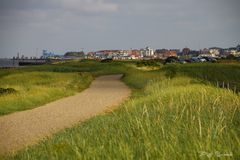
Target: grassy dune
pixel 174 113
pixel 38 85
pixel 222 75
pixel 37 88
pixel 175 119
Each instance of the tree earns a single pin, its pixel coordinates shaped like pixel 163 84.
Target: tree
pixel 76 54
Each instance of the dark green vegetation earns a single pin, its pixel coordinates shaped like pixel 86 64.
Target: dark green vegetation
pixel 174 113
pixel 76 54
pixel 222 75
pixel 7 91
pixel 149 63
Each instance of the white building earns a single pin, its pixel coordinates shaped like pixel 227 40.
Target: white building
pixel 147 52
pixel 214 52
pixel 234 52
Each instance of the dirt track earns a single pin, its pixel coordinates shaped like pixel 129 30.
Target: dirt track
pixel 25 128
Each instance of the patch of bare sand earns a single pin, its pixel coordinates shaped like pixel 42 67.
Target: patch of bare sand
pixel 25 128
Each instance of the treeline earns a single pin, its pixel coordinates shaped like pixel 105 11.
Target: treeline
pixel 76 54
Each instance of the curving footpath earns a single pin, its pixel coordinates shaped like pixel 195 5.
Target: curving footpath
pixel 21 129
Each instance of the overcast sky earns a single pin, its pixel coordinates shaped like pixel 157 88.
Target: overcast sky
pixel 28 26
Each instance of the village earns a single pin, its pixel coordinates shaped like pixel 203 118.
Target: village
pixel 186 55
pixel 149 53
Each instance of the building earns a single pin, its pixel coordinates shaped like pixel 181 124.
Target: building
pixel 115 54
pixel 171 53
pixel 234 51
pixel 103 54
pixel 185 51
pixel 90 55
pixel 215 51
pixel 192 53
pixel 136 54
pixel 165 53
pixel 47 55
pixel 231 51
pixel 147 52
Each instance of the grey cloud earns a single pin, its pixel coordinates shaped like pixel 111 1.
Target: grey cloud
pixel 70 5
pixel 62 25
pixel 89 5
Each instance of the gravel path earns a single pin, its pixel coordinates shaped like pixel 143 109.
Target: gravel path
pixel 25 128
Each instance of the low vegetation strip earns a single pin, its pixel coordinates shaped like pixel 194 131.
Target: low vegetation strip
pixel 21 129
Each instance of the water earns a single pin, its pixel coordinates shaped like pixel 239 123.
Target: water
pixel 8 63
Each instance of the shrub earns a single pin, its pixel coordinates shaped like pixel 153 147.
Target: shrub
pixel 149 63
pixel 7 91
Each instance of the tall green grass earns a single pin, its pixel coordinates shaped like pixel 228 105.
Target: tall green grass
pixel 178 118
pixel 37 85
pixel 221 75
pixel 37 88
pixel 174 113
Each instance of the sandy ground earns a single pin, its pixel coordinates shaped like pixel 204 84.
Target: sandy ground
pixel 25 128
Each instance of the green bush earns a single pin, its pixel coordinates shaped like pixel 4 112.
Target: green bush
pixel 143 63
pixel 7 91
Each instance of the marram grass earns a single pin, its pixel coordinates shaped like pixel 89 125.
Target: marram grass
pixel 178 118
pixel 37 88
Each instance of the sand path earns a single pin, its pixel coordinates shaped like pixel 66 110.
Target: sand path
pixel 25 128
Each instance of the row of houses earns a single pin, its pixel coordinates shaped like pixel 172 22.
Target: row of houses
pixel 214 52
pixel 130 54
pixel 149 53
pixel 145 53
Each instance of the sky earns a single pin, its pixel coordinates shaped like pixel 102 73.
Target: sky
pixel 29 26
